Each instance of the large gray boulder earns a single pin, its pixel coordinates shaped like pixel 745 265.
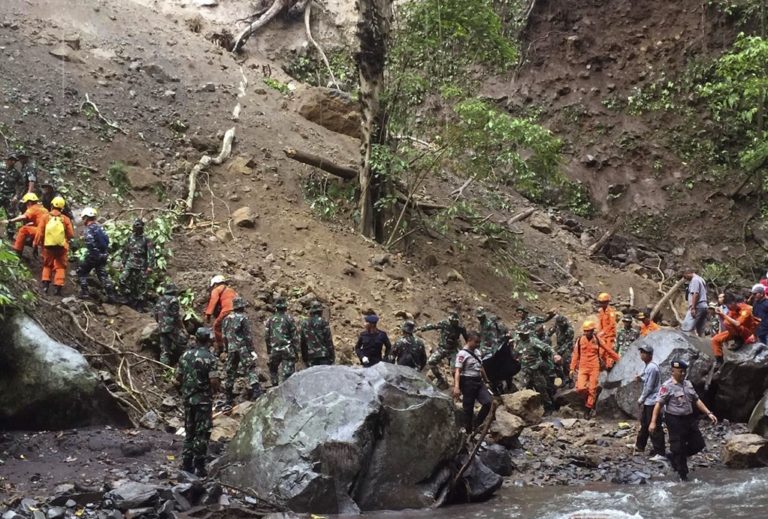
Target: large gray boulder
pixel 46 385
pixel 743 451
pixel 758 422
pixel 339 439
pixel 741 382
pixel 621 389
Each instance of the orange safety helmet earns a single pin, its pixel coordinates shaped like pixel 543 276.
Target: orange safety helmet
pixel 588 325
pixel 603 297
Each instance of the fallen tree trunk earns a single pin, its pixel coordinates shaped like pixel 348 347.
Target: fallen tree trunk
pixel 276 7
pixel 665 299
pixel 205 161
pixel 595 247
pixel 519 217
pixel 317 161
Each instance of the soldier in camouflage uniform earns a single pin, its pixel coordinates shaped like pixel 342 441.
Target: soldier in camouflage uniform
pixel 28 170
pixel 564 339
pixel 450 331
pixel 316 340
pixel 492 331
pixel 169 324
pixel 537 367
pixel 282 337
pixel 138 261
pixel 409 349
pixel 12 187
pixel 626 335
pixel 198 378
pixel 238 340
pixel 96 255
pixel 530 322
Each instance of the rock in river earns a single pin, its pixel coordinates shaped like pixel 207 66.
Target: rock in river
pixel 741 382
pixel 338 439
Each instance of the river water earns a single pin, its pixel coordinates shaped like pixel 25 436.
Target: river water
pixel 718 493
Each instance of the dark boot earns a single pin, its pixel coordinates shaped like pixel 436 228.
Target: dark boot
pixel 46 285
pixel 187 465
pixel 200 468
pixel 84 293
pixel 57 290
pixel 230 397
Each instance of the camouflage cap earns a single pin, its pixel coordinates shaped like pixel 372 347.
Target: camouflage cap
pixel 408 326
pixel 203 334
pixel 280 303
pixel 138 223
pixel 454 316
pixel 480 312
pixel 171 289
pixel 522 309
pixel 561 319
pixel 627 318
pixel 316 307
pixel 238 303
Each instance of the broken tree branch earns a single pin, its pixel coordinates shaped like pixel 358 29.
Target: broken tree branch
pixel 205 161
pixel 112 125
pixel 458 193
pixel 595 247
pixel 307 15
pixel 317 161
pixel 276 7
pixel 519 217
pixel 667 296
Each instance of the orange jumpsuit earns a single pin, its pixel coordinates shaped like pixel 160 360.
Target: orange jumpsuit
pixel 606 319
pixel 226 296
pixel 54 258
pixel 32 217
pixel 650 327
pixel 586 361
pixel 746 328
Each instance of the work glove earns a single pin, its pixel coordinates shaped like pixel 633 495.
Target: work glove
pixel 365 361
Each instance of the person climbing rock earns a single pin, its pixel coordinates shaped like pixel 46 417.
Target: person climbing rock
pixel 282 338
pixel 678 398
pixel 651 379
pixel 740 326
pixel 564 337
pixel 627 335
pixel 198 378
pixel 606 318
pixel 589 358
pixel 96 256
pixel 219 306
pixel 316 339
pixel 451 329
pixel 31 218
pixel 54 233
pixel 409 350
pixel 536 364
pixel 469 383
pixel 373 344
pixel 138 261
pixel 170 325
pixel 697 300
pixel 646 324
pixel 240 351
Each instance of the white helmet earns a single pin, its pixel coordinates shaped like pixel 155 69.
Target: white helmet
pixel 215 280
pixel 88 212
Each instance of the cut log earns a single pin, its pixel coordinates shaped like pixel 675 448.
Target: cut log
pixel 595 247
pixel 519 217
pixel 665 299
pixel 317 161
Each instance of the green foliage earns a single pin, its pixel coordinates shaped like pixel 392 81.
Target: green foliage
pixel 118 179
pixel 721 275
pixel 309 68
pixel 187 304
pixel 276 84
pixel 743 11
pixel 13 273
pixel 328 197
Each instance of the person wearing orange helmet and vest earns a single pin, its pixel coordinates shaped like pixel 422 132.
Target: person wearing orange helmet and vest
pixel 606 319
pixel 589 357
pixel 219 306
pixel 31 217
pixel 54 234
pixel 740 326
pixel 646 324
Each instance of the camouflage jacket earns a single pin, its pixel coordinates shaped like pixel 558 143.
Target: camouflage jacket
pixel 534 355
pixel 564 338
pixel 167 313
pixel 449 333
pixel 316 339
pixel 11 183
pixel 492 332
pixel 96 241
pixel 280 333
pixel 236 328
pixel 29 171
pixel 530 324
pixel 626 337
pixel 195 371
pixel 139 253
pixel 409 351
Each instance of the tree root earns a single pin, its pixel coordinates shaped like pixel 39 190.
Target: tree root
pixel 205 161
pixel 276 7
pixel 307 15
pixel 95 108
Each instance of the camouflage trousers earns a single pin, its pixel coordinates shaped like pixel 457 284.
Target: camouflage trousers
pixel 436 358
pixel 94 263
pixel 172 345
pixel 320 361
pixel 133 285
pixel 539 382
pixel 281 362
pixel 197 427
pixel 8 211
pixel 240 362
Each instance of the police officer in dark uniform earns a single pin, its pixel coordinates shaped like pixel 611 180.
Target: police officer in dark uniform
pixel 679 398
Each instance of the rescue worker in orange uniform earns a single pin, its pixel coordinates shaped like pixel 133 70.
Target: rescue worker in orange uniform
pixel 740 326
pixel 219 306
pixel 589 352
pixel 606 318
pixel 32 216
pixel 646 325
pixel 54 234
